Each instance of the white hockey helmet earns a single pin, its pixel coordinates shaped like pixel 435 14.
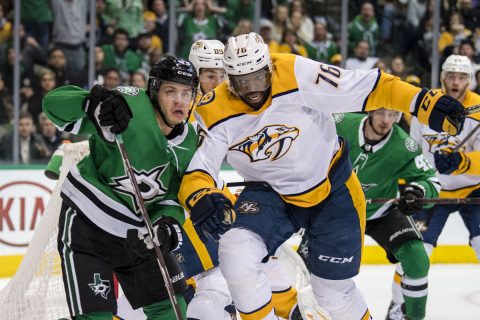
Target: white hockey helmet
pixel 206 54
pixel 457 63
pixel 245 54
pixel 248 68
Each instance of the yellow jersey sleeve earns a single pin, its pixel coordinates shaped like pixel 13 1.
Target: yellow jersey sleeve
pixel 203 171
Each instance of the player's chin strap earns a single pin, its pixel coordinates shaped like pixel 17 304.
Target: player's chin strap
pixel 291 260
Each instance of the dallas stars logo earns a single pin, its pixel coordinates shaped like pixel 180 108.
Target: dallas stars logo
pixel 100 286
pixel 367 186
pixel 149 183
pixel 358 165
pixel 360 162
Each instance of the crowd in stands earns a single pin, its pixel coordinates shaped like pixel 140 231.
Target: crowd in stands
pixel 394 35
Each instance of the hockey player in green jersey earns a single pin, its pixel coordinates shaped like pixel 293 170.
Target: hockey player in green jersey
pixel 100 228
pixel 382 153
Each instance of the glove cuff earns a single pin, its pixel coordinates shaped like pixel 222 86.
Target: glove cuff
pixel 198 195
pixel 464 164
pixel 435 109
pixel 426 101
pixel 171 227
pixel 419 187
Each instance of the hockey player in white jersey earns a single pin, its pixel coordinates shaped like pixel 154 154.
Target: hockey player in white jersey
pixel 211 292
pixel 272 119
pixel 459 171
pixel 207 57
pixel 212 299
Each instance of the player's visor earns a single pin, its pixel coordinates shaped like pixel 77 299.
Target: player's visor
pixel 257 81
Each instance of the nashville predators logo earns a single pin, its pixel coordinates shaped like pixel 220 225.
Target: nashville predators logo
pixel 272 142
pixel 436 142
pixel 197 45
pixel 207 98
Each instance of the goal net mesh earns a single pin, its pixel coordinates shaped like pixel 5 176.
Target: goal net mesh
pixel 36 291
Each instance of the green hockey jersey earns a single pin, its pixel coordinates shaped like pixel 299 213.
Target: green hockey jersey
pixel 98 186
pixel 379 167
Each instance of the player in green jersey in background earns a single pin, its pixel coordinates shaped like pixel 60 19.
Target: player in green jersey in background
pixel 100 224
pixel 382 153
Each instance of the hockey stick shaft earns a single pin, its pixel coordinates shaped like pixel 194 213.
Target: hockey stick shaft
pixel 473 109
pixel 428 200
pixel 149 226
pixel 393 200
pixel 469 110
pixel 468 136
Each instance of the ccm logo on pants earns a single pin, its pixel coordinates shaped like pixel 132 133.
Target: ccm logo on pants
pixel 335 259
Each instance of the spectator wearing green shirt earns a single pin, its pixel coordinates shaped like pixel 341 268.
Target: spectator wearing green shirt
pixel 36 17
pixel 322 48
pixel 197 25
pixel 117 55
pixel 239 9
pixel 124 14
pixel 364 27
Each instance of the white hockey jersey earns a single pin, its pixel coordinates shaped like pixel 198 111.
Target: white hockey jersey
pixel 291 141
pixel 453 186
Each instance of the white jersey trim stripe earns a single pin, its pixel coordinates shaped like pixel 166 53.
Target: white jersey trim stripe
pixel 106 200
pixel 415 294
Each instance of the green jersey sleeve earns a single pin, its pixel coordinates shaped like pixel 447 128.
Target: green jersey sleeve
pixel 65 107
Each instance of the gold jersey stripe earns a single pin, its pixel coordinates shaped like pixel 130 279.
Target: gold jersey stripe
pixel 198 245
pixel 284 301
pixel 227 105
pixel 384 94
pixel 316 194
pixel 258 314
pixel 358 198
pixel 366 316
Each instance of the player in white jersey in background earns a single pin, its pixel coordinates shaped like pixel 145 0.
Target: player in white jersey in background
pixel 459 171
pixel 207 57
pixel 272 119
pixel 211 292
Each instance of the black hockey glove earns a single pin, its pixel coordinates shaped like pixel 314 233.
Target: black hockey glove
pixel 444 113
pixel 212 216
pixel 109 111
pixel 408 194
pixel 448 162
pixel 167 235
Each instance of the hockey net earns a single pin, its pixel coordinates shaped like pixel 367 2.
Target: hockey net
pixel 36 291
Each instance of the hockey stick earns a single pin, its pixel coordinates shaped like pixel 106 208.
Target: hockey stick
pixel 393 200
pixel 468 136
pixel 472 109
pixel 428 200
pixel 148 224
